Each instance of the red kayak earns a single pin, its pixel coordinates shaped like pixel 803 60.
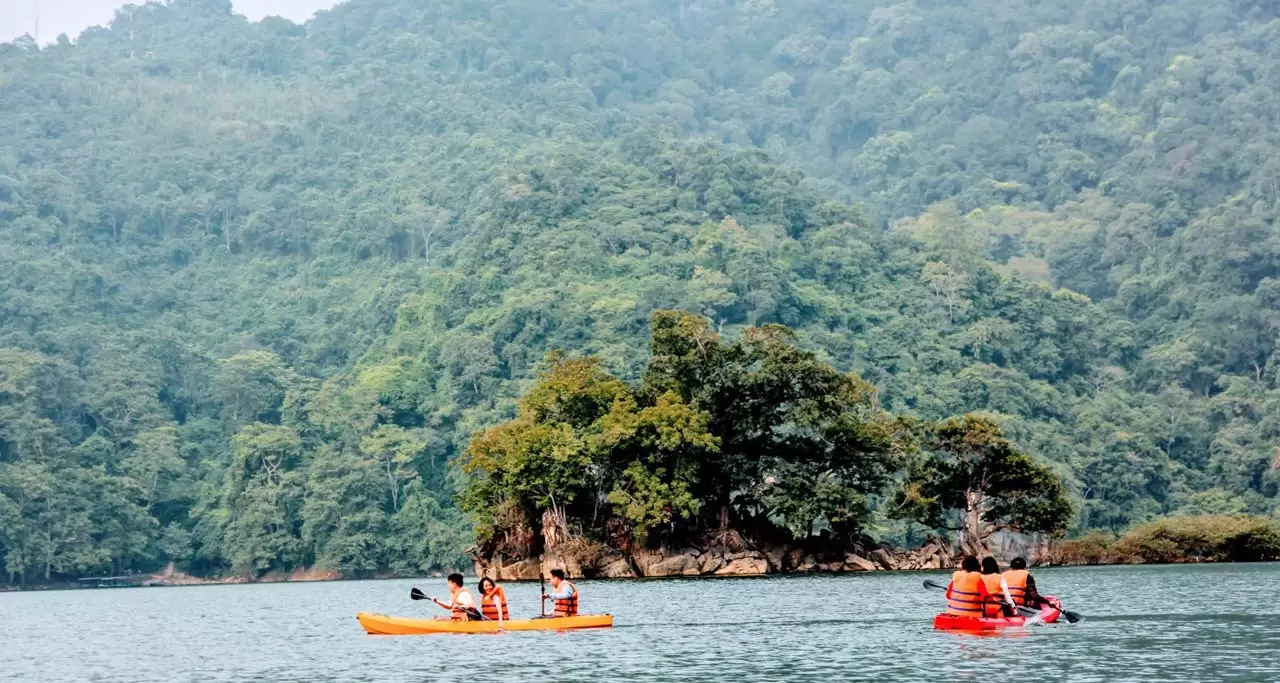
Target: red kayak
pixel 950 622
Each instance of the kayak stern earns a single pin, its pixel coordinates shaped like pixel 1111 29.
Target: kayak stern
pixel 951 622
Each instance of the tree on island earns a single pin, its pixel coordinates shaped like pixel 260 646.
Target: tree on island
pixel 971 474
pixel 754 435
pixel 583 447
pixel 799 441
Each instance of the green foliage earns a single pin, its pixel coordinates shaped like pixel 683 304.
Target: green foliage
pixel 782 416
pixel 1226 539
pixel 369 230
pixel 649 498
pixel 716 433
pixel 582 438
pixel 1217 538
pixel 1093 547
pixel 972 473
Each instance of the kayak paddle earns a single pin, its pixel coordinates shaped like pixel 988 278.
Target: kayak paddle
pixel 415 594
pixel 542 590
pixel 1071 617
pixel 469 612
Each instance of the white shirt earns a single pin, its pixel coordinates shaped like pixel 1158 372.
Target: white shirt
pixel 463 599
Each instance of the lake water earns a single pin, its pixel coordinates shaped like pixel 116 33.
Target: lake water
pixel 1211 622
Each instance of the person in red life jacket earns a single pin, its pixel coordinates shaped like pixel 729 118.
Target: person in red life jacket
pixel 462 607
pixel 1000 601
pixel 1021 584
pixel 493 601
pixel 967 593
pixel 564 593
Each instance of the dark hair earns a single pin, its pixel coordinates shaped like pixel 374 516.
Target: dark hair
pixel 1017 563
pixel 990 566
pixel 558 573
pixel 970 564
pixel 483 579
pixel 456 579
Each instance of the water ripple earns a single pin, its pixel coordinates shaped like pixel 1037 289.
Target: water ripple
pixel 1143 624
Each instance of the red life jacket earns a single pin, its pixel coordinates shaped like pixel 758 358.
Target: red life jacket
pixel 568 607
pixel 494 605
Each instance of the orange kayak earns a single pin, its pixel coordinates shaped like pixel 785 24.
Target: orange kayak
pixel 384 625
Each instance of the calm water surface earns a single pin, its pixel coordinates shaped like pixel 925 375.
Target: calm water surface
pixel 1217 622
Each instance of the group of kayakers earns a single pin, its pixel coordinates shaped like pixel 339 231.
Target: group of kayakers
pixel 978 590
pixel 981 590
pixel 493 599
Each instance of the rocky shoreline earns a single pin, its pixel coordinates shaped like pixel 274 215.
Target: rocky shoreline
pixel 1173 540
pixel 720 559
pixel 727 553
pixel 170 576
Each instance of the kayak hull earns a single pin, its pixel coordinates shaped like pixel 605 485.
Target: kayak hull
pixel 385 625
pixel 950 622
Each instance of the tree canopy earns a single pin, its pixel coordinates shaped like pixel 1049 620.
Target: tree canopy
pixel 971 472
pixel 755 436
pixel 261 282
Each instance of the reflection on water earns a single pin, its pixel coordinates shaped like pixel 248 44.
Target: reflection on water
pixel 1211 622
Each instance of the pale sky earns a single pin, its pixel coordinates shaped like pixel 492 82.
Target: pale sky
pixel 73 16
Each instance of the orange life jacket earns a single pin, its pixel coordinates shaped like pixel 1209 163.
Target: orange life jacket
pixel 965 594
pixel 568 607
pixel 993 608
pixel 494 605
pixel 1017 580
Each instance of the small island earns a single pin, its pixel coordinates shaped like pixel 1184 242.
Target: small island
pixel 736 457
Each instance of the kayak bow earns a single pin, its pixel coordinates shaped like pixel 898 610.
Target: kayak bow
pixel 385 625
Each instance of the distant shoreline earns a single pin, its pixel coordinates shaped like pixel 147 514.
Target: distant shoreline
pixel 1206 539
pixel 150 582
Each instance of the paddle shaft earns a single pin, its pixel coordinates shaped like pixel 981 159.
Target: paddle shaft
pixel 415 594
pixel 473 612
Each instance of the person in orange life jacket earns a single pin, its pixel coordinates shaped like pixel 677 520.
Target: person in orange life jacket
pixel 493 601
pixel 564 593
pixel 462 606
pixel 967 592
pixel 1021 585
pixel 1000 603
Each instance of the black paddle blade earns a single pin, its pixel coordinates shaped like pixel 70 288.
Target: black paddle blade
pixel 1073 617
pixel 930 583
pixel 416 594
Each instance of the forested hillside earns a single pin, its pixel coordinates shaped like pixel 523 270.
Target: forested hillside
pixel 259 283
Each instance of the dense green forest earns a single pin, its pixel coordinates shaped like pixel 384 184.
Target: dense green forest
pixel 261 282
pixel 722 442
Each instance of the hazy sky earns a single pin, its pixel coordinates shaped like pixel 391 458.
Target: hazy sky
pixel 73 16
